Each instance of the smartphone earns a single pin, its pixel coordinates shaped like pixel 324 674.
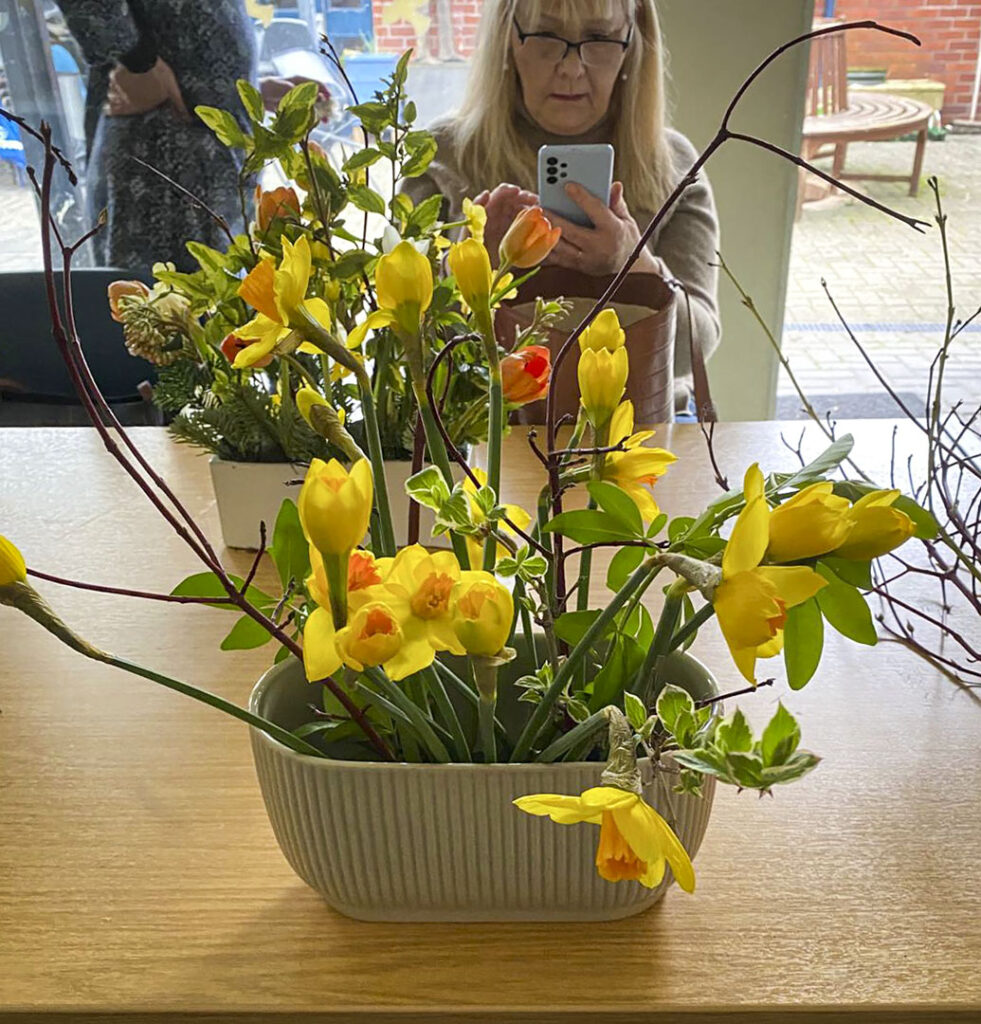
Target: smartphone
pixel 589 165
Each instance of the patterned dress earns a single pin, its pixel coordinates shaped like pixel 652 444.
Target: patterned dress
pixel 209 44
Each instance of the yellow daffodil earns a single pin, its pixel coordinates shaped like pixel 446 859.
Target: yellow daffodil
pixel 335 505
pixel 476 218
pixel 308 397
pixel 470 264
pixel 279 296
pixel 12 566
pixel 604 332
pixel 811 523
pixel 752 600
pixel 372 637
pixel 875 527
pixel 404 290
pixel 483 611
pixel 634 840
pixel 602 382
pixel 637 468
pixel 514 514
pixel 363 571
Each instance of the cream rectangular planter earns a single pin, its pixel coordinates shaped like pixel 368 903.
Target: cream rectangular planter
pixel 248 493
pixel 409 842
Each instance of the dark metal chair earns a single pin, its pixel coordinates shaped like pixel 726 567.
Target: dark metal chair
pixel 35 389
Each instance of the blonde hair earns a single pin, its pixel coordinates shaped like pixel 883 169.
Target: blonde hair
pixel 491 148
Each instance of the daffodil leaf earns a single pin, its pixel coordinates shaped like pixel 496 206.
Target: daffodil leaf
pixel 245 635
pixel 289 548
pixel 858 574
pixel 828 461
pixel 635 710
pixel 615 501
pixel 588 526
pixel 622 567
pixel 780 738
pixel 734 733
pixel 803 642
pixel 845 608
pixel 622 663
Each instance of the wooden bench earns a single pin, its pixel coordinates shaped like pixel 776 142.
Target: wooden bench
pixel 836 115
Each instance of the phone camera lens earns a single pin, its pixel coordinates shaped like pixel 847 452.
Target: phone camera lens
pixel 565 167
pixel 552 161
pixel 563 175
pixel 551 179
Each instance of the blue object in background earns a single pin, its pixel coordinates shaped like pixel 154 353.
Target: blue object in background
pixel 829 8
pixel 12 149
pixel 366 71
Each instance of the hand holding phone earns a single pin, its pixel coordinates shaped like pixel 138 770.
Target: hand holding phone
pixel 588 165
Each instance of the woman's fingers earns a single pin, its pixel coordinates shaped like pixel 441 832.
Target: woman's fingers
pixel 595 209
pixel 580 237
pixel 617 203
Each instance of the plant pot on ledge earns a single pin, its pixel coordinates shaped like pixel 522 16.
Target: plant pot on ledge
pixel 427 842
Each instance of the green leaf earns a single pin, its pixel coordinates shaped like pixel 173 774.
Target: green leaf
pixel 409 112
pixel 734 733
pixel 803 642
pixel 251 99
pixel 799 764
pixel 577 710
pixel 845 608
pixel 780 738
pixel 423 217
pixel 657 525
pixel 679 526
pixel 858 574
pixel 289 548
pixel 927 527
pixel 587 526
pixel 828 461
pixel 207 584
pixel 245 634
pixel 571 627
pixel 634 708
pixel 672 703
pixel 707 762
pixel 619 504
pixel 363 158
pixel 428 488
pixel 622 663
pixel 746 770
pixel 622 566
pixel 225 127
pixel 366 199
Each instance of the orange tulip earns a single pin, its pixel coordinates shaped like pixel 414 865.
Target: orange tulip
pixel 233 344
pixel 529 240
pixel 278 202
pixel 125 289
pixel 526 374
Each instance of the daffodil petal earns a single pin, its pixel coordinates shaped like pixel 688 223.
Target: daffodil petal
pixel 609 798
pixel 319 310
pixel 563 810
pixel 749 539
pixel 795 583
pixel 380 318
pixel 415 654
pixel 320 657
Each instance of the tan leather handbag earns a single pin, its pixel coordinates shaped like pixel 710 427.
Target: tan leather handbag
pixel 645 304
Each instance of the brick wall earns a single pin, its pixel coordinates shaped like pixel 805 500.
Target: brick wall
pixel 950 31
pixel 400 35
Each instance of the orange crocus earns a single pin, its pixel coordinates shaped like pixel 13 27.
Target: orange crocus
pixel 277 202
pixel 526 374
pixel 529 240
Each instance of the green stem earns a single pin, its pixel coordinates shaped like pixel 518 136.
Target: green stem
pixel 386 533
pixel 302 371
pixel 450 718
pixel 415 714
pixel 692 626
pixel 485 673
pixel 574 737
pixel 336 570
pixel 495 437
pixel 448 675
pixel 641 579
pixel 661 645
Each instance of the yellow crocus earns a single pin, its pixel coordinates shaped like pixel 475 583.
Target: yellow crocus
pixel 637 468
pixel 470 264
pixel 635 842
pixel 811 523
pixel 752 600
pixel 875 527
pixel 604 332
pixel 13 569
pixel 476 218
pixel 514 513
pixel 483 612
pixel 278 294
pixel 335 505
pixel 404 291
pixel 602 382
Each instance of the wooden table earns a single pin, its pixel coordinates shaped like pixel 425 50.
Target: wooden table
pixel 139 875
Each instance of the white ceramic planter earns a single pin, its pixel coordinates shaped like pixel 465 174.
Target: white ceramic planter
pixel 404 842
pixel 248 493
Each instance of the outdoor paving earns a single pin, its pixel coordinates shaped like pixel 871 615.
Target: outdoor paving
pixel 889 284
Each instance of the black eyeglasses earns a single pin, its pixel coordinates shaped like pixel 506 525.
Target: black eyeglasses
pixel 594 53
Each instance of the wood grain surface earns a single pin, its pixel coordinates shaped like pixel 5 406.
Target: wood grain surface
pixel 139 876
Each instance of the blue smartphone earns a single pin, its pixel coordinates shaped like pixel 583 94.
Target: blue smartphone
pixel 589 165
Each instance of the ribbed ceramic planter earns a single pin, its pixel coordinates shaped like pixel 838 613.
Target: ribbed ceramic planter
pixel 406 842
pixel 248 493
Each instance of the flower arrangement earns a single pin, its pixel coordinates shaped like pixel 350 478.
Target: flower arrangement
pixel 404 649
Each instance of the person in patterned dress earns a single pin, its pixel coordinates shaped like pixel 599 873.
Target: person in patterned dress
pixel 151 62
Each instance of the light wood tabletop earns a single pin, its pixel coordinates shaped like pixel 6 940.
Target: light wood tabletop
pixel 139 875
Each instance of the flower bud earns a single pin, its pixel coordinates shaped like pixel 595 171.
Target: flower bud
pixel 483 613
pixel 525 375
pixel 125 289
pixel 372 636
pixel 529 240
pixel 404 280
pixel 12 566
pixel 875 527
pixel 811 523
pixel 470 265
pixel 604 332
pixel 602 382
pixel 335 506
pixel 278 202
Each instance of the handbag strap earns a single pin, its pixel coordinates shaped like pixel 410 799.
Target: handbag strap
pixel 705 410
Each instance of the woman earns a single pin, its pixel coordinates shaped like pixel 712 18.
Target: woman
pixel 151 63
pixel 532 83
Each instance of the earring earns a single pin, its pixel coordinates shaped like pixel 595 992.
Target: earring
pixel 623 76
